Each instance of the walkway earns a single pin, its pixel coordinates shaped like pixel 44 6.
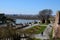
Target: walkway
pixel 45 33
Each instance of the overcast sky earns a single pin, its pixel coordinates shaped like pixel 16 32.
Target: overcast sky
pixel 28 6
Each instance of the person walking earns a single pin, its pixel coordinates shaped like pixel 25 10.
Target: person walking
pixel 42 33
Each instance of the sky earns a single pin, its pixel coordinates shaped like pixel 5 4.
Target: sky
pixel 30 7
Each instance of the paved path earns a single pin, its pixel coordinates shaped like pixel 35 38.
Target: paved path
pixel 30 26
pixel 45 33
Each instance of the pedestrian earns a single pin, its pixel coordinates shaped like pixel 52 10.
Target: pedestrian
pixel 42 33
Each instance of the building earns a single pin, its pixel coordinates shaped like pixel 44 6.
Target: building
pixel 4 21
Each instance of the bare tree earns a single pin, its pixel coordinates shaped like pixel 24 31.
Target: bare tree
pixel 45 15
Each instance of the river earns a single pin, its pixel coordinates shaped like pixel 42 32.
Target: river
pixel 24 21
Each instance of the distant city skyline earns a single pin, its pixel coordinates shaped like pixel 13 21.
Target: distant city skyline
pixel 28 7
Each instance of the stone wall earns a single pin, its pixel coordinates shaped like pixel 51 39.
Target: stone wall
pixel 56 27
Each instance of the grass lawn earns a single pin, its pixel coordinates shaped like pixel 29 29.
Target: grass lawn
pixel 37 29
pixel 42 28
pixel 43 24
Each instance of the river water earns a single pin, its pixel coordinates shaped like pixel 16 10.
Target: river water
pixel 24 21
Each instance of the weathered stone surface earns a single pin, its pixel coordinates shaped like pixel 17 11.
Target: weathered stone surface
pixel 56 28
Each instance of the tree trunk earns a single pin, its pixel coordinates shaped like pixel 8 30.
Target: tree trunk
pixel 43 21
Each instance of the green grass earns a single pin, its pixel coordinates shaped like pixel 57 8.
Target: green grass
pixel 41 30
pixel 43 24
pixel 36 29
